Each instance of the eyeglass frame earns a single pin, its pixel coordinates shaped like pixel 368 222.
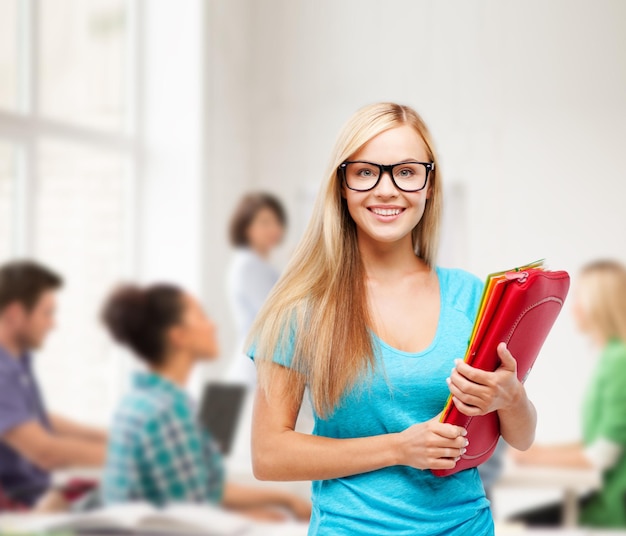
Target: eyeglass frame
pixel 385 168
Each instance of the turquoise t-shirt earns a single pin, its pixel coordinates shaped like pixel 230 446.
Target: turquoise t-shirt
pixel 401 500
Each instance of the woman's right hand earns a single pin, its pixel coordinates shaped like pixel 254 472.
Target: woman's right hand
pixel 432 445
pixel 281 453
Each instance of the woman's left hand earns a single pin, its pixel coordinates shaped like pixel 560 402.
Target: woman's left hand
pixel 478 392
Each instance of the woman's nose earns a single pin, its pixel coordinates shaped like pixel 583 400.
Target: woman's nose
pixel 386 187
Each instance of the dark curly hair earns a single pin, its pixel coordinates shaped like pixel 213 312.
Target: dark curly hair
pixel 140 317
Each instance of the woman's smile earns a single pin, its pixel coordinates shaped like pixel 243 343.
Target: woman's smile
pixel 386 213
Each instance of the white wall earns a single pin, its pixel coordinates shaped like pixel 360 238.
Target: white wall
pixel 170 233
pixel 171 238
pixel 526 102
pixel 226 156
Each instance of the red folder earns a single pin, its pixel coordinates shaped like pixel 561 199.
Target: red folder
pixel 518 307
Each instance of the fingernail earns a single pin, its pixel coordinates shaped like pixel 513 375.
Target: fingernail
pixel 452 370
pixel 448 381
pixel 457 459
pixel 466 442
pixel 464 432
pixel 457 361
pixel 463 451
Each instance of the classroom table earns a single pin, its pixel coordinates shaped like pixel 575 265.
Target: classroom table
pixel 572 482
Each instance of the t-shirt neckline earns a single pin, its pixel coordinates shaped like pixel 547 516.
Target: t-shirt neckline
pixel 435 339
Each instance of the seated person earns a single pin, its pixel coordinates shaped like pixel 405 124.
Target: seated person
pixel 600 312
pixel 157 450
pixel 33 442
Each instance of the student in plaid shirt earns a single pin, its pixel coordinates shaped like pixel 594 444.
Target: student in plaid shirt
pixel 157 450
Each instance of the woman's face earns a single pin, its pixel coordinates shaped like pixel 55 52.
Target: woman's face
pixel 371 210
pixel 265 231
pixel 196 333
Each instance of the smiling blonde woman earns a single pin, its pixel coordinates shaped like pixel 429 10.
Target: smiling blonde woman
pixel 365 319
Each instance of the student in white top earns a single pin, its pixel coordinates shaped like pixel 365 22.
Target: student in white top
pixel 256 228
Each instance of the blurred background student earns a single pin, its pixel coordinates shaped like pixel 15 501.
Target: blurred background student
pixel 257 227
pixel 600 313
pixel 32 441
pixel 157 451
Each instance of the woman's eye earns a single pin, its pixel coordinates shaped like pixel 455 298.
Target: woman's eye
pixel 367 173
pixel 405 173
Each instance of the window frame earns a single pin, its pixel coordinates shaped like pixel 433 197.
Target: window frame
pixel 25 127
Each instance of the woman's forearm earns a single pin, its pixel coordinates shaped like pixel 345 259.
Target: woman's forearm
pixel 309 457
pixel 281 453
pixel 519 421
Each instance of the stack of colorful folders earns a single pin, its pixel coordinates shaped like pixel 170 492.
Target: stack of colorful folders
pixel 518 307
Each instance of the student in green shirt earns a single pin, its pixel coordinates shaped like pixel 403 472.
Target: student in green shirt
pixel 600 312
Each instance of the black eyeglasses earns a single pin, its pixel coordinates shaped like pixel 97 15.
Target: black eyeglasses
pixel 406 176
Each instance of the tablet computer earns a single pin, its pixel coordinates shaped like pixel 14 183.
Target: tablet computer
pixel 220 409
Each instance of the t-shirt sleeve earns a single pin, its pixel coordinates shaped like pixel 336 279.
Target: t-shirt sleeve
pixel 14 406
pixel 466 291
pixel 612 424
pixel 283 354
pixel 475 288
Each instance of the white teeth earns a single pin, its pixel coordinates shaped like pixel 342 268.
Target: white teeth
pixel 386 211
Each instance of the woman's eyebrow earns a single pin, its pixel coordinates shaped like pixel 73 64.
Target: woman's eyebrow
pixel 410 159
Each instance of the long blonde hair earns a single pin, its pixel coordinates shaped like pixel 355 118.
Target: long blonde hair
pixel 321 298
pixel 603 298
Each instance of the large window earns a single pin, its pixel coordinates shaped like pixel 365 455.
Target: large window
pixel 67 170
pixel 8 171
pixel 8 53
pixel 82 48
